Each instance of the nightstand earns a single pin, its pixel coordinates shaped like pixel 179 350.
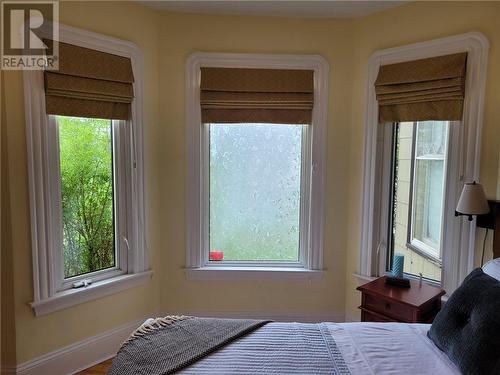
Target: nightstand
pixel 386 303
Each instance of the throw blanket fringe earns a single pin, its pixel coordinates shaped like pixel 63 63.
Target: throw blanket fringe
pixel 154 323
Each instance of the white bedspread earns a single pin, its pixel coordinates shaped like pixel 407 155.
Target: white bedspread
pixel 390 348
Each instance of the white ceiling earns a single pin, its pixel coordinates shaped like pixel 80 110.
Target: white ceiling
pixel 280 8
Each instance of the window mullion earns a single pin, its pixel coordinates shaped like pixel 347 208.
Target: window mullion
pixel 452 227
pixel 307 169
pixel 382 251
pixel 122 195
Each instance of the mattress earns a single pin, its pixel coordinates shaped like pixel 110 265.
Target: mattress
pixel 366 348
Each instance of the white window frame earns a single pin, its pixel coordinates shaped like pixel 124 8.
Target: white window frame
pixel 313 178
pixel 51 291
pixel 458 234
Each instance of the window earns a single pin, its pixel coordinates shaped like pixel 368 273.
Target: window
pixel 414 172
pixel 255 192
pixel 85 173
pixel 256 189
pixel 418 185
pixel 90 246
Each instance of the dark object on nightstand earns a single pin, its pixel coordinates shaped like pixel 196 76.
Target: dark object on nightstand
pixel 401 282
pixel 381 302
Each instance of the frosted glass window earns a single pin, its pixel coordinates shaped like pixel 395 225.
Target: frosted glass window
pixel 255 182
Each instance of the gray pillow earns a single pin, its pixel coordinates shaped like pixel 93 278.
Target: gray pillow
pixel 467 329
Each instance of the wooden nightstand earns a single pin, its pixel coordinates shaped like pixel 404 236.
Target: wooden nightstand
pixel 386 303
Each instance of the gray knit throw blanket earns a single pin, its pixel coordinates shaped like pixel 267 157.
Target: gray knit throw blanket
pixel 165 345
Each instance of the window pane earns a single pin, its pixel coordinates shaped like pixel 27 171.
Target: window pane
pixel 419 239
pixel 428 203
pixel 431 139
pixel 86 163
pixel 255 191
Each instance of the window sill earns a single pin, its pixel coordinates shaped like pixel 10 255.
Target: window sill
pixel 252 273
pixel 364 278
pixel 72 297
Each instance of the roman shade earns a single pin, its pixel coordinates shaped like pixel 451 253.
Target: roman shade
pixel 89 83
pixel 421 90
pixel 240 95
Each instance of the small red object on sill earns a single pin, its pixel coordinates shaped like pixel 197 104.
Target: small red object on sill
pixel 216 255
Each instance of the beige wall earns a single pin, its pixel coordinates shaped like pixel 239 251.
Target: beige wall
pixel 415 22
pixel 167 40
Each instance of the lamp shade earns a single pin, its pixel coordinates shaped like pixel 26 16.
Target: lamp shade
pixel 473 200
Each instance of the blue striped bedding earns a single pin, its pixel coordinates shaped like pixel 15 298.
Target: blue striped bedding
pixel 276 348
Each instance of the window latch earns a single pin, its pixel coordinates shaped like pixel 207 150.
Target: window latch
pixel 82 283
pixel 126 243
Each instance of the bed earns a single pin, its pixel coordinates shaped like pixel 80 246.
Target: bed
pixel 295 348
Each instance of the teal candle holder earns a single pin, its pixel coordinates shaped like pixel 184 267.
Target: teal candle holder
pixel 398 265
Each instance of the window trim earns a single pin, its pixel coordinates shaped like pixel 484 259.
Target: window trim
pixel 305 182
pixel 462 233
pixel 196 139
pixel 47 296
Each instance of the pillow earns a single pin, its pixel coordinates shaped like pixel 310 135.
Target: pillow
pixel 492 268
pixel 467 329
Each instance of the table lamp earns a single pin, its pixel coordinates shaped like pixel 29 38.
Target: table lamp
pixel 472 201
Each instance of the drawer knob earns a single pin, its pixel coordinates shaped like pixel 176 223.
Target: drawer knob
pixel 387 306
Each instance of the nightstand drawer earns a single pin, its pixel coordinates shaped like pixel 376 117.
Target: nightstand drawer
pixel 388 308
pixel 368 316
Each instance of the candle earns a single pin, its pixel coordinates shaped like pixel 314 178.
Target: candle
pixel 216 255
pixel 398 265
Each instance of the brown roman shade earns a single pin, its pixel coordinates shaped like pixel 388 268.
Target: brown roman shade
pixel 420 90
pixel 89 83
pixel 236 95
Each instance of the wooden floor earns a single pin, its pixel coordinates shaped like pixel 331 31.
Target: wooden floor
pixel 100 369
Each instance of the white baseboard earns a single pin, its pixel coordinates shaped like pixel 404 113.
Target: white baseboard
pixel 80 355
pixel 278 317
